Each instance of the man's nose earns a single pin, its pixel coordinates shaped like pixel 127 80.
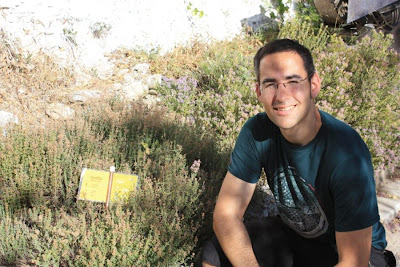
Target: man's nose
pixel 282 92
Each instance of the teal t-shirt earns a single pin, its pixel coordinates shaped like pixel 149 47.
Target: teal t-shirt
pixel 322 187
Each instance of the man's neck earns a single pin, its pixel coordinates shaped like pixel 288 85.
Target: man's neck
pixel 301 136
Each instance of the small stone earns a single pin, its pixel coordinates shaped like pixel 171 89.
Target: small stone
pixel 117 86
pixel 154 80
pixel 84 96
pixel 7 117
pixel 388 208
pixel 128 78
pixel 151 101
pixel 392 188
pixel 122 72
pixel 259 23
pixel 135 90
pixel 30 66
pixel 141 69
pixel 59 111
pixel 153 92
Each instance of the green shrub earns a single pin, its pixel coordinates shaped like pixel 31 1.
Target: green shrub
pixel 220 96
pixel 168 207
pixel 306 12
pixel 162 224
pixel 314 38
pixel 14 239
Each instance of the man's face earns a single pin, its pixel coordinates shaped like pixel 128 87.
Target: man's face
pixel 288 108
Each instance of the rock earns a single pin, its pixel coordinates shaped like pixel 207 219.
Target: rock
pixel 135 90
pixel 381 178
pixel 7 117
pixel 122 72
pixel 153 81
pixel 59 111
pixel 141 69
pixel 151 101
pixel 117 86
pixel 153 92
pixel 128 78
pixel 103 73
pixel 84 96
pixel 388 208
pixel 391 188
pixel 259 23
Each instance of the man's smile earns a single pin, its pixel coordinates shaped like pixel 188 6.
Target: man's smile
pixel 286 108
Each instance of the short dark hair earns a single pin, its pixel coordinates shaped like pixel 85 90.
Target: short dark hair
pixel 284 45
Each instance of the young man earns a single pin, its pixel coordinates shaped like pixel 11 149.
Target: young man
pixel 318 168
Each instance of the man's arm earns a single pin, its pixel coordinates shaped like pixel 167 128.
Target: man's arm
pixel 232 235
pixel 354 247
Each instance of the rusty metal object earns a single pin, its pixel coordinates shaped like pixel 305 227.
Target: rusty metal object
pixel 329 12
pixel 383 14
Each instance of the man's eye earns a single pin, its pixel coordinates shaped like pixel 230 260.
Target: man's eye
pixel 292 82
pixel 270 85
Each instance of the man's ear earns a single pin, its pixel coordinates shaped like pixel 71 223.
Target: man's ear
pixel 315 85
pixel 258 92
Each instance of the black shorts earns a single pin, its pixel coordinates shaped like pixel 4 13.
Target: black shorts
pixel 275 244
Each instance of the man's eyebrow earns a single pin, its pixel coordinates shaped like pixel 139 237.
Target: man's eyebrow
pixel 290 77
pixel 268 80
pixel 294 76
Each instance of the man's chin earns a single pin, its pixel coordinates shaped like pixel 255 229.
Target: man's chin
pixel 284 124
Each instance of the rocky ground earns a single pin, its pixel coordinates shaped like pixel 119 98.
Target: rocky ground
pixel 38 103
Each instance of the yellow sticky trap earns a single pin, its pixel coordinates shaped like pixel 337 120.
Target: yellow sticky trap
pixel 94 184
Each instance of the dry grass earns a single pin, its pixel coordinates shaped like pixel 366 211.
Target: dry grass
pixel 183 60
pixel 29 82
pixel 33 72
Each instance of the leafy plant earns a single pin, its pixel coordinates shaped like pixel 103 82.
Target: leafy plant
pixel 160 225
pixel 100 29
pixel 194 10
pixel 70 35
pixel 306 12
pixel 277 9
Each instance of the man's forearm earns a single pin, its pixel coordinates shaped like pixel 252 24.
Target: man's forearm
pixel 354 247
pixel 235 241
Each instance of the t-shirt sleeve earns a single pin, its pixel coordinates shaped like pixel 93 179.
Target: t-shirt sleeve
pixel 354 195
pixel 246 161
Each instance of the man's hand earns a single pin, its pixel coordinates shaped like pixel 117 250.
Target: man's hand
pixel 354 247
pixel 232 235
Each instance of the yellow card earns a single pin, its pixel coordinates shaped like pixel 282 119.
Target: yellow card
pixel 93 185
pixel 122 185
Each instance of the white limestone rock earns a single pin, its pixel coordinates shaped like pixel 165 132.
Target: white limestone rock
pixel 153 92
pixel 135 90
pixel 153 81
pixel 84 96
pixel 141 69
pixel 129 78
pixel 122 72
pixel 7 117
pixel 59 111
pixel 151 101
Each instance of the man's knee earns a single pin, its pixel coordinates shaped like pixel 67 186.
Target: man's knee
pixel 267 235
